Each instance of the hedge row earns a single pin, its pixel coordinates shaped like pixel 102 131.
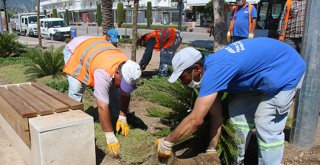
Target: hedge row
pixel 154 27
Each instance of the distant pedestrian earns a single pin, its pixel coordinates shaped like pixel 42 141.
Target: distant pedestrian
pixel 291 25
pixel 243 22
pixel 165 40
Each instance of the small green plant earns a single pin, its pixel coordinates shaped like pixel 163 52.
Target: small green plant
pixel 66 17
pixel 156 112
pixel 120 14
pixel 149 14
pixel 54 13
pixel 125 40
pixel 99 15
pixel 180 99
pixel 163 132
pixel 45 62
pixel 59 85
pixel 9 45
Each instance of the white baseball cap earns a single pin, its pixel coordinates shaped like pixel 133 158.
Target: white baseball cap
pixel 182 60
pixel 131 72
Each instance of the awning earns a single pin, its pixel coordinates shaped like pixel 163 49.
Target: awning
pixel 197 2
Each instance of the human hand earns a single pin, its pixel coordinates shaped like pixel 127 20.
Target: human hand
pixel 228 36
pixel 164 148
pixel 251 35
pixel 113 144
pixel 122 123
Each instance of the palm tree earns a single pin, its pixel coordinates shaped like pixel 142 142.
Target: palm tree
pixel 107 18
pixel 220 24
pixel 134 30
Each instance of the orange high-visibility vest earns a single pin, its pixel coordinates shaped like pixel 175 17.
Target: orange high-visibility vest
pixel 164 37
pixel 91 54
pixel 286 18
pixel 234 17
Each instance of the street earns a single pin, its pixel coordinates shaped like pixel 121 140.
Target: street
pixel 198 38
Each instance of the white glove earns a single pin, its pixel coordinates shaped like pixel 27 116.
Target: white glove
pixel 251 35
pixel 164 148
pixel 112 143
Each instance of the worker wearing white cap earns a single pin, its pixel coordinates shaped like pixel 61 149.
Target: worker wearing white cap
pixel 95 62
pixel 262 75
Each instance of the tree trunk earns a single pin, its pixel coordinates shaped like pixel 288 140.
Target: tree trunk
pixel 220 27
pixel 134 30
pixel 107 19
pixel 38 23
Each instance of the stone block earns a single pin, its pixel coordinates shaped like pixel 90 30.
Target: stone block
pixel 62 138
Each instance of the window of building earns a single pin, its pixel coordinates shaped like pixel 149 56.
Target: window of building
pixel 90 4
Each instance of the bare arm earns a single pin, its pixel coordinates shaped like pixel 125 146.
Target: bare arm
pixel 192 122
pixel 104 116
pixel 124 103
pixel 216 120
pixel 254 25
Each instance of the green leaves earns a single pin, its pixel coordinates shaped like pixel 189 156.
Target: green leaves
pixel 45 62
pixel 9 45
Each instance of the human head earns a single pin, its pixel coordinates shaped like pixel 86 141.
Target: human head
pixel 241 2
pixel 141 41
pixel 126 76
pixel 187 66
pixel 112 36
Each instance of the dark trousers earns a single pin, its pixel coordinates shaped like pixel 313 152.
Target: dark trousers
pixel 237 38
pixel 295 43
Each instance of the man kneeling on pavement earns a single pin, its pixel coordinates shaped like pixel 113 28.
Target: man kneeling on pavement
pixel 95 62
pixel 262 74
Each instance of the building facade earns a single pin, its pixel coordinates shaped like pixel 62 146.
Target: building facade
pixel 163 11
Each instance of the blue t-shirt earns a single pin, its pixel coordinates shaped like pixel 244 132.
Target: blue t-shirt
pixel 241 23
pixel 259 64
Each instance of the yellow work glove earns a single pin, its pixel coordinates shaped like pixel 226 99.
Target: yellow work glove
pixel 251 35
pixel 164 148
pixel 228 36
pixel 112 143
pixel 122 123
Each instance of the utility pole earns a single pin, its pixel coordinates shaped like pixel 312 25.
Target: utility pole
pixel 304 131
pixel 5 14
pixel 180 7
pixel 38 23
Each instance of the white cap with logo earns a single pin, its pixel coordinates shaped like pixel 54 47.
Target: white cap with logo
pixel 182 60
pixel 131 72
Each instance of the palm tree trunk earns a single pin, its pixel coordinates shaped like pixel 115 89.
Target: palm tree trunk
pixel 107 18
pixel 38 23
pixel 134 30
pixel 220 24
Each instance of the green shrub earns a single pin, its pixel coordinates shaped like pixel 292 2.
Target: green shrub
pixel 66 17
pixel 9 45
pixel 59 85
pixel 149 14
pixel 45 62
pixel 154 27
pixel 54 13
pixel 99 15
pixel 180 98
pixel 125 40
pixel 120 14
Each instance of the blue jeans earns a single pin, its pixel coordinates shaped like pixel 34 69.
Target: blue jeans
pixel 166 55
pixel 268 115
pixel 75 90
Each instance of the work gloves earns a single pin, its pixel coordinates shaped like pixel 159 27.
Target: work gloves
pixel 164 148
pixel 112 143
pixel 251 35
pixel 228 36
pixel 123 125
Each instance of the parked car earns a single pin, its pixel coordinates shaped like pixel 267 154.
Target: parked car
pixel 54 29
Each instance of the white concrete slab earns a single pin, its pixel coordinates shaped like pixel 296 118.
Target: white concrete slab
pixel 62 138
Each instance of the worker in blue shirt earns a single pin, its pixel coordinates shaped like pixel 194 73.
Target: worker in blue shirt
pixel 243 22
pixel 261 74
